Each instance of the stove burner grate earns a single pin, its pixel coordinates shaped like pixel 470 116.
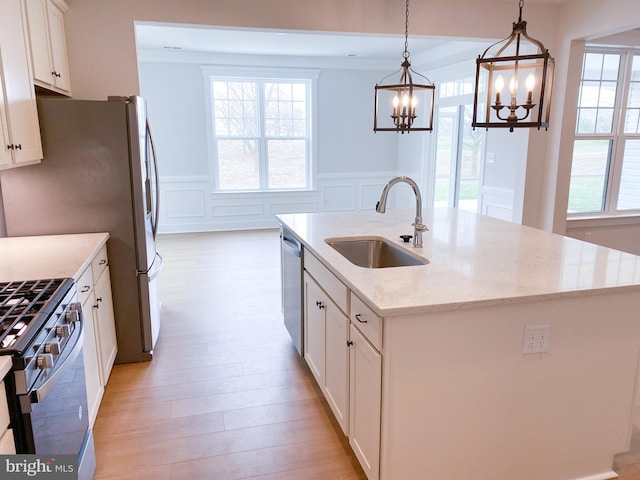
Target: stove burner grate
pixel 24 303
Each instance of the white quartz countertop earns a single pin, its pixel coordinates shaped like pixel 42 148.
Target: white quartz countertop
pixel 474 260
pixel 48 256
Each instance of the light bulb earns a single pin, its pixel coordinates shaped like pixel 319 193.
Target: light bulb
pixel 531 82
pixel 499 83
pixel 513 84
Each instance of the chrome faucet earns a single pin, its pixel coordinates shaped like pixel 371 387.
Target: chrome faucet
pixel 418 226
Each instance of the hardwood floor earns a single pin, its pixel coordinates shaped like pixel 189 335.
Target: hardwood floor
pixel 226 395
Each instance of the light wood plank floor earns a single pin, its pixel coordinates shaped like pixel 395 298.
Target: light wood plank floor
pixel 226 396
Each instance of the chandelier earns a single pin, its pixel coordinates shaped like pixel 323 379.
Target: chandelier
pixel 529 67
pixel 402 105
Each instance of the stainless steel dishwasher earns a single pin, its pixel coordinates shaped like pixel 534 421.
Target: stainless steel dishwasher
pixel 291 254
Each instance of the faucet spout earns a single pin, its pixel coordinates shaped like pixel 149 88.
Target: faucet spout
pixel 418 226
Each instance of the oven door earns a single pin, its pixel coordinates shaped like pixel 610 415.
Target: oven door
pixel 54 413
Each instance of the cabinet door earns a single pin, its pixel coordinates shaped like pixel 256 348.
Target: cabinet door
pixel 105 325
pixel 39 39
pixel 58 48
pixel 314 305
pixel 336 386
pixel 365 376
pixel 90 355
pixel 21 115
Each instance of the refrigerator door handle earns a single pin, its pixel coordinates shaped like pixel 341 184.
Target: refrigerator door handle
pixel 154 269
pixel 156 177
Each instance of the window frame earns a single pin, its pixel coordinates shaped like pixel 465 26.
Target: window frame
pixel 261 75
pixel 617 137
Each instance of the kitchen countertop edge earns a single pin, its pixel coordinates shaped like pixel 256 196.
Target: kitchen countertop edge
pixel 336 264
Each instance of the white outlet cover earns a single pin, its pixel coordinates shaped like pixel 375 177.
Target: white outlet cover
pixel 537 339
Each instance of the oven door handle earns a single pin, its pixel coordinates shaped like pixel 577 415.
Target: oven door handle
pixel 63 365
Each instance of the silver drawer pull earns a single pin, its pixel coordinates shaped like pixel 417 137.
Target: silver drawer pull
pixel 359 319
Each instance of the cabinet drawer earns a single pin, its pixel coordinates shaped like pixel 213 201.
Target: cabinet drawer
pixel 85 285
pixel 99 263
pixel 327 280
pixel 367 322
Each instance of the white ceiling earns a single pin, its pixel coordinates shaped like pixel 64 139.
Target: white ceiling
pixel 156 38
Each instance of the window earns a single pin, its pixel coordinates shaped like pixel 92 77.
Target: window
pixel 605 170
pixel 458 148
pixel 261 131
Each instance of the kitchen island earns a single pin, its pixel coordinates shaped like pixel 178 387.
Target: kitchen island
pixel 512 354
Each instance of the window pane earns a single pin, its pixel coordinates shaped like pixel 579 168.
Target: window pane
pixel 238 166
pixel 285 109
pixel 597 95
pixel 445 154
pixel 287 163
pixel 470 160
pixel 235 108
pixel 629 196
pixel 589 173
pixel 631 124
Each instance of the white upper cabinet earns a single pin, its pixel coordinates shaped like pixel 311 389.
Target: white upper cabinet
pixel 19 128
pixel 45 20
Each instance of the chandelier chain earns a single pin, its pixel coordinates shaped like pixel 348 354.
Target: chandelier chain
pixel 405 54
pixel 521 6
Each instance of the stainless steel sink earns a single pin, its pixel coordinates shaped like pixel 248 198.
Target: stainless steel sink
pixel 374 252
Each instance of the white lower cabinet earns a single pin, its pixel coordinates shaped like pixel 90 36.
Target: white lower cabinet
pixel 95 389
pixel 346 366
pixel 365 392
pixel 336 382
pixel 105 325
pixel 100 346
pixel 314 328
pixel 326 350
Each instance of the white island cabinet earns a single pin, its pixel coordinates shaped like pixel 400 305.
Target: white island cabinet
pixel 441 383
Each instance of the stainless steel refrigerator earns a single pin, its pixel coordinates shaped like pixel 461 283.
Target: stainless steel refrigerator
pixel 99 174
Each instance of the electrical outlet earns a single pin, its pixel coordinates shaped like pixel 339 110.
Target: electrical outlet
pixel 536 339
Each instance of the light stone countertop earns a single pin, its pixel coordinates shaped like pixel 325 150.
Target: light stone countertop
pixel 475 260
pixel 48 256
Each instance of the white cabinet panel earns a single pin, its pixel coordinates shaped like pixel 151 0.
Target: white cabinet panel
pixel 45 21
pixel 365 403
pixel 314 328
pixel 20 131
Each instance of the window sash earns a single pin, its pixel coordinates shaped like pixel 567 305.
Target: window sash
pixel 621 118
pixel 232 130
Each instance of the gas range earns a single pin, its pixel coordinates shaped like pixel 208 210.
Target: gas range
pixel 42 329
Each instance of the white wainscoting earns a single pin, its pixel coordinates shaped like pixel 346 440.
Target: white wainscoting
pixel 497 203
pixel 187 203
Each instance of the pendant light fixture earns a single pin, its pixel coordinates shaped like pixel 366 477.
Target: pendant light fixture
pixel 526 65
pixel 404 106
